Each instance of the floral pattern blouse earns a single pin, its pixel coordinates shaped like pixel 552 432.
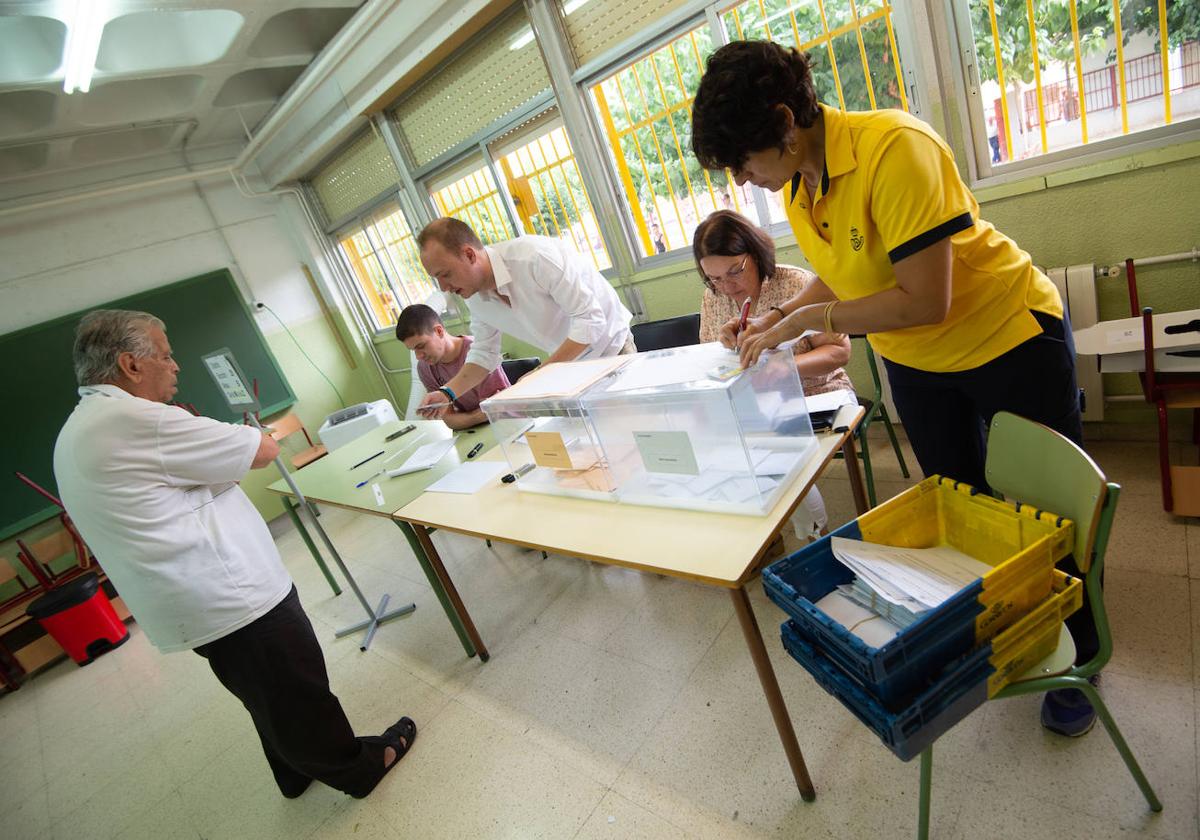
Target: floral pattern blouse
pixel 787 282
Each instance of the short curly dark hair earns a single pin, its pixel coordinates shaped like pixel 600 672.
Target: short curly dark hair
pixel 735 111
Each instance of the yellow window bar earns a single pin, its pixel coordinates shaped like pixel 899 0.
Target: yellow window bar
pixel 475 200
pixel 402 251
pixel 1037 73
pixel 862 51
pixel 1078 73
pixel 662 92
pixel 357 256
pixel 614 141
pixel 837 79
pixel 730 186
pixel 651 119
pixel 1000 79
pixel 1166 59
pixel 826 39
pixel 900 86
pixel 658 69
pixel 556 163
pixel 1121 66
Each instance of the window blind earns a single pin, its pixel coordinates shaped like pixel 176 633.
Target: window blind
pixel 354 177
pixel 491 79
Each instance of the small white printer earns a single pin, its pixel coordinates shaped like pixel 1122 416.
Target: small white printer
pixel 351 423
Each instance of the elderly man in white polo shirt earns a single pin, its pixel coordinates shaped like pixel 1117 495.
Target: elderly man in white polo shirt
pixel 153 490
pixel 535 288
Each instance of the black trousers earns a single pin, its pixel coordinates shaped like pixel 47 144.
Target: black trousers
pixel 275 666
pixel 946 416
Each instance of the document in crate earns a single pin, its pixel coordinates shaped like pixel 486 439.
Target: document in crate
pixel 901 584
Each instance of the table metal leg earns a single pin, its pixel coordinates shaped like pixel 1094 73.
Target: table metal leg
pixel 850 456
pixel 312 548
pixel 766 675
pixel 451 592
pixel 436 584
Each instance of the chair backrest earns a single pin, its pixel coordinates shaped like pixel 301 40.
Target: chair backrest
pixel 514 369
pixel 859 342
pixel 286 425
pixel 1033 464
pixel 9 572
pixel 669 332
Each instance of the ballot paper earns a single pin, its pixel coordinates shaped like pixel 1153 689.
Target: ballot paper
pixel 829 401
pixel 424 458
pixel 470 477
pixel 873 629
pixel 916 579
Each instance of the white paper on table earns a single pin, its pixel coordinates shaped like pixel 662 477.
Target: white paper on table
pixel 915 578
pixel 424 458
pixel 769 403
pixel 674 369
pixel 829 401
pixel 470 477
pixel 776 463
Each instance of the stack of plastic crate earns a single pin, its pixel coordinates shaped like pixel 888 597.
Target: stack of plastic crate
pixel 934 672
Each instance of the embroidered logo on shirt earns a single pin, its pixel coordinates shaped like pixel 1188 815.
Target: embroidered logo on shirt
pixel 856 241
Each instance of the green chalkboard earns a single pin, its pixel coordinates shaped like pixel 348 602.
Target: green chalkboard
pixel 202 314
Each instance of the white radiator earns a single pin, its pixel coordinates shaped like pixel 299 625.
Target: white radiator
pixel 1077 286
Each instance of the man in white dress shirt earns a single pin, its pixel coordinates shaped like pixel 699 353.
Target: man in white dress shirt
pixel 153 490
pixel 535 288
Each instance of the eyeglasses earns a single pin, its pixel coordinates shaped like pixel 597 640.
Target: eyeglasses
pixel 732 275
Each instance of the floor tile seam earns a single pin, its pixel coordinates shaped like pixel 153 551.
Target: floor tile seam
pixel 606 790
pixel 669 706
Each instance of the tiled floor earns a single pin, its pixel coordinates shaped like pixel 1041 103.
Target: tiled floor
pixel 616 705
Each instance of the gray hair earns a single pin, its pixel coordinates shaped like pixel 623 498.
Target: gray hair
pixel 103 335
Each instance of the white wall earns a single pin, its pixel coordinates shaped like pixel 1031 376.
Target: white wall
pixel 62 259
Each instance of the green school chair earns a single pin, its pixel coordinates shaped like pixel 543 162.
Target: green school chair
pixel 1029 462
pixel 875 408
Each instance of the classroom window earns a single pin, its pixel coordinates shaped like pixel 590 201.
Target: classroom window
pixel 543 181
pixel 1054 75
pixel 645 111
pixel 851 45
pixel 381 251
pixel 472 196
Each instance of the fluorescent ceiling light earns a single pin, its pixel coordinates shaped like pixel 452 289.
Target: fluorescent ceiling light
pixel 85 23
pixel 526 36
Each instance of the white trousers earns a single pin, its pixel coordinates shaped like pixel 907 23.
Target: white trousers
pixel 811 518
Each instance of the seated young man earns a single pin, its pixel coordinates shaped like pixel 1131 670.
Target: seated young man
pixel 440 356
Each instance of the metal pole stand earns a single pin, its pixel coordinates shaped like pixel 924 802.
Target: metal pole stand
pixel 375 617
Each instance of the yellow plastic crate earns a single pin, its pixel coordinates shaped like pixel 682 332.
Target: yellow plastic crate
pixel 1021 543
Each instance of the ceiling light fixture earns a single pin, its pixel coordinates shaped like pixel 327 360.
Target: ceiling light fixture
pixel 84 27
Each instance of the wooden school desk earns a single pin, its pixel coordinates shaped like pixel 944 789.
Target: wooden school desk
pixel 723 550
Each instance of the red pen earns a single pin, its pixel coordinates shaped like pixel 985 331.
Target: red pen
pixel 745 315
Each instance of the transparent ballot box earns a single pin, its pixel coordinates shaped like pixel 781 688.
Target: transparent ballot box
pixel 685 427
pixel 545 434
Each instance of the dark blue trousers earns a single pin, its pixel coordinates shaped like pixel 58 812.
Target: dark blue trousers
pixel 946 416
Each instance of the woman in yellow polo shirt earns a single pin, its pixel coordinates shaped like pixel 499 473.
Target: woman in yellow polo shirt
pixel 965 323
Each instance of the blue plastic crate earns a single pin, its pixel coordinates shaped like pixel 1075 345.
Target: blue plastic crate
pixel 959 687
pixel 909 731
pixel 1021 544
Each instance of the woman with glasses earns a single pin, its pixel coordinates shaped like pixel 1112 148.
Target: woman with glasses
pixel 966 324
pixel 736 261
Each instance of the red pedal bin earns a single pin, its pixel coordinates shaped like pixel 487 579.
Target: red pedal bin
pixel 80 618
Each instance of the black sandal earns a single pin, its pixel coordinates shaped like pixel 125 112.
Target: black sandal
pixel 400 737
